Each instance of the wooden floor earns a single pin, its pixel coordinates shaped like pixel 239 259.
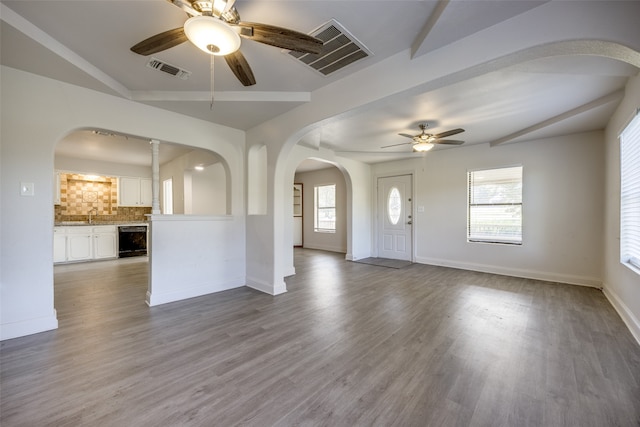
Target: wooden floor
pixel 350 344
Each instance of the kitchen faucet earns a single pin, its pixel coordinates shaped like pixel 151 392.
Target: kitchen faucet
pixel 90 212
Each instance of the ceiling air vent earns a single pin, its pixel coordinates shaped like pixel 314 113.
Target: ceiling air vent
pixel 340 49
pixel 157 64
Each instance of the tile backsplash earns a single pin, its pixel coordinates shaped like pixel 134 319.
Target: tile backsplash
pixel 80 194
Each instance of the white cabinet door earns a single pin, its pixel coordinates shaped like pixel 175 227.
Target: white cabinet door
pixel 145 192
pixel 134 192
pixel 105 245
pixel 297 231
pixel 59 245
pixel 79 247
pixel 56 188
pixel 105 242
pixel 129 192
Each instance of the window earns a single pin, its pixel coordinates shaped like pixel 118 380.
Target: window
pixel 167 196
pixel 325 208
pixel 394 206
pixel 630 194
pixel 495 206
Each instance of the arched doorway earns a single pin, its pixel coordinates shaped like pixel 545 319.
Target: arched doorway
pixel 323 206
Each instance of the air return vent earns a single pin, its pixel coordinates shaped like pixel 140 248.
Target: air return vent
pixel 159 65
pixel 340 49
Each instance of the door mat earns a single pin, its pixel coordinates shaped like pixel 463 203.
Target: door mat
pixel 384 262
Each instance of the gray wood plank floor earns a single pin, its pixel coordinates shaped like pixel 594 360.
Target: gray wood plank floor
pixel 349 344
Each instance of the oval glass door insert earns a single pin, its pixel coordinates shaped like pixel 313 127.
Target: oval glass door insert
pixel 394 206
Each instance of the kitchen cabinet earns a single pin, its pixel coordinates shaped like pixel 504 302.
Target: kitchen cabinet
pixel 134 192
pixel 56 188
pixel 84 243
pixel 105 242
pixel 59 244
pixel 79 245
pixel 297 214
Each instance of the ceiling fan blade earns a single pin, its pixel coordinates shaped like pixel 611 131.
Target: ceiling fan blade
pixel 449 133
pixel 447 142
pixel 240 67
pixel 395 145
pixel 406 135
pixel 281 37
pixel 160 42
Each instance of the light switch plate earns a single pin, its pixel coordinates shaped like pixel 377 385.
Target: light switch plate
pixel 27 189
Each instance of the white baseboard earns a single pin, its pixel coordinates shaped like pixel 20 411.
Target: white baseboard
pixel 267 288
pixel 155 298
pixel 515 272
pixel 325 248
pixel 627 316
pixel 290 271
pixel 28 327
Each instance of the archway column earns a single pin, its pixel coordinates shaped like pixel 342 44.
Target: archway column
pixel 155 177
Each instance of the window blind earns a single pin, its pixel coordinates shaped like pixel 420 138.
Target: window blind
pixel 495 205
pixel 325 208
pixel 630 193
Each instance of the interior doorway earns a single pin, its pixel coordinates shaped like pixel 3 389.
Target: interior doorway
pixel 395 217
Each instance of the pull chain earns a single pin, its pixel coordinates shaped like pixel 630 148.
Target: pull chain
pixel 212 60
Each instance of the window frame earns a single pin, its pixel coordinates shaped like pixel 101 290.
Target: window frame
pixel 317 209
pixel 495 239
pixel 630 194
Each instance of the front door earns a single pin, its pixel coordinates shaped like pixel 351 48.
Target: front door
pixel 395 217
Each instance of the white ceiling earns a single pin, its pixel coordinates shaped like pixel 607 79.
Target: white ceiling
pixel 87 43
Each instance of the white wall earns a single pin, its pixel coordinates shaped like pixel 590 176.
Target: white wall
pixel 621 285
pixel 98 167
pixel 357 177
pixel 336 242
pixel 209 191
pixel 197 255
pixel 36 114
pixel 562 208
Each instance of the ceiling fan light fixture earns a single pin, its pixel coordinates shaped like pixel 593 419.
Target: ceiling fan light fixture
pixel 211 35
pixel 422 147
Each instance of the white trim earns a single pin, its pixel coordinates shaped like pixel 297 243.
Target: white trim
pixel 325 248
pixel 625 313
pixel 290 271
pixel 190 96
pixel 592 282
pixel 160 217
pixel 28 327
pixel 44 39
pixel 192 291
pixel 267 288
pixel 376 214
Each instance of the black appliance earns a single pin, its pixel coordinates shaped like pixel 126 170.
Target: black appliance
pixel 132 240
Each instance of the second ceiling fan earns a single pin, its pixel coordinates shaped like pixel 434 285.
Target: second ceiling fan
pixel 425 141
pixel 215 27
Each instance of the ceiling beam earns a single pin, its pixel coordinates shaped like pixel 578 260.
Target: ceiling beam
pixel 612 97
pixel 39 36
pixel 428 26
pixel 254 96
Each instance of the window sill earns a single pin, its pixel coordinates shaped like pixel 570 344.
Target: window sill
pixel 633 264
pixel 494 242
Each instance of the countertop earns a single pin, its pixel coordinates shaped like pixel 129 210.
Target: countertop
pixel 95 224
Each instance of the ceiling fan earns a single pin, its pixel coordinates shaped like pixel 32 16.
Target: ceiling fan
pixel 215 27
pixel 425 141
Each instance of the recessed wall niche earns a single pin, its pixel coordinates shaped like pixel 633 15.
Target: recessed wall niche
pixel 80 193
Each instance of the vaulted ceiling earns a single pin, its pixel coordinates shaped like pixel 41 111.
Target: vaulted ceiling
pixel 87 43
